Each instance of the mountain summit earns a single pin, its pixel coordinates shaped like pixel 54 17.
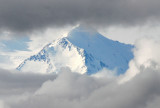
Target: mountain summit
pixel 84 51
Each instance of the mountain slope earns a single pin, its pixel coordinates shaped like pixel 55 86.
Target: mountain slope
pixel 83 51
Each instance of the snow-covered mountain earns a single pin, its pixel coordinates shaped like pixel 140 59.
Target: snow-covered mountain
pixel 83 51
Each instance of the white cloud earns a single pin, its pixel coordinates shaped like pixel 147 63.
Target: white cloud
pixel 37 41
pixel 40 39
pixel 105 73
pixel 146 54
pixel 129 35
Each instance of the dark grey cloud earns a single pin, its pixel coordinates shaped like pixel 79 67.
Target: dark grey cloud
pixel 12 82
pixel 26 15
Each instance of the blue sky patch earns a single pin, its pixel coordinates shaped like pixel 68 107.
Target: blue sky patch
pixel 15 44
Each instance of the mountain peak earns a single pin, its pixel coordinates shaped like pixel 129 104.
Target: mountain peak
pixel 82 31
pixel 84 50
pixel 85 28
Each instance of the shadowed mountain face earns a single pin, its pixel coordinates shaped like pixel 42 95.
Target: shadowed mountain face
pixel 84 51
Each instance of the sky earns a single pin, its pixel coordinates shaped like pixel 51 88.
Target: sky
pixel 26 26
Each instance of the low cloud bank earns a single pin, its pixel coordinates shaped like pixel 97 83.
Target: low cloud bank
pixel 139 87
pixel 13 83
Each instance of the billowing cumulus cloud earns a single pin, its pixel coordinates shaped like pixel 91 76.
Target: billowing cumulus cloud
pixel 28 15
pixel 146 54
pixel 72 90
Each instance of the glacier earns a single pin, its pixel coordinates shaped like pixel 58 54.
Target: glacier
pixel 84 51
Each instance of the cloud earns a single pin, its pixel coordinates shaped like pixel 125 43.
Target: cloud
pixel 105 73
pixel 15 49
pixel 129 35
pixel 146 54
pixel 13 82
pixel 72 90
pixel 22 15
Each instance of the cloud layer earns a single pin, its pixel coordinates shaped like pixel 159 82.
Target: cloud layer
pixel 28 15
pixel 71 90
